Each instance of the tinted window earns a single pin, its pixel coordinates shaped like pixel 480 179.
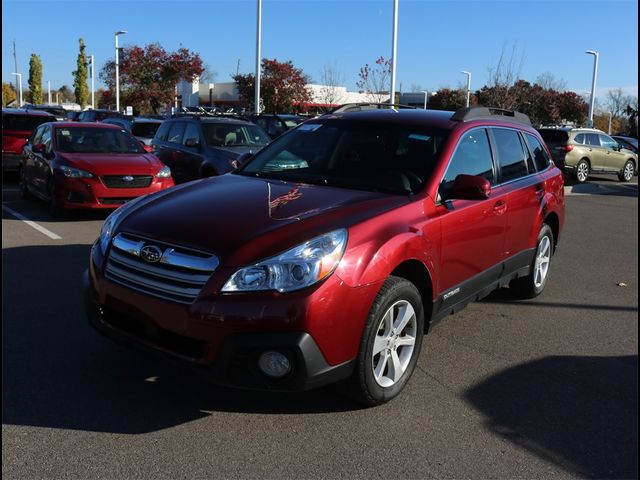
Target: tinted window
pixel 592 139
pixel 579 138
pixel 37 136
pixel 472 157
pixel 175 132
pixel 191 132
pixel 46 138
pixel 163 131
pixel 145 130
pixel 25 123
pixel 540 157
pixel 511 157
pixel 351 155
pixel 608 142
pixel 552 135
pixel 233 135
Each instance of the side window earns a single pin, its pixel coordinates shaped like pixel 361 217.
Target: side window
pixel 592 139
pixel 579 138
pixel 540 157
pixel 175 132
pixel 37 136
pixel 192 131
pixel 511 157
pixel 607 142
pixel 472 156
pixel 163 131
pixel 46 138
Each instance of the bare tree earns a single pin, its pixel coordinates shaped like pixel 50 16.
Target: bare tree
pixel 502 78
pixel 548 81
pixel 208 75
pixel 375 81
pixel 617 101
pixel 331 79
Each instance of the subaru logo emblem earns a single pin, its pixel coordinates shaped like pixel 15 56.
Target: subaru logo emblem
pixel 150 253
pixel 127 178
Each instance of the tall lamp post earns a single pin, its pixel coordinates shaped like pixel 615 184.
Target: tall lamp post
pixel 468 74
pixel 610 115
pixel 19 78
pixel 394 50
pixel 118 33
pixel 426 97
pixel 256 100
pixel 93 98
pixel 593 84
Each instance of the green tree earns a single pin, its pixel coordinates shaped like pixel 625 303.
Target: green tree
pixel 8 93
pixel 35 79
pixel 80 76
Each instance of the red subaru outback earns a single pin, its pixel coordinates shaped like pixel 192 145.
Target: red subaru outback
pixel 328 255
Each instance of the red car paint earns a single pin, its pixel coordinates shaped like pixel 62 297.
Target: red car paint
pixel 243 220
pixel 41 173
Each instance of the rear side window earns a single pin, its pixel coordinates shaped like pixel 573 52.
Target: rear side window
pixel 511 156
pixel 175 132
pixel 540 157
pixel 472 157
pixel 163 131
pixel 24 123
pixel 579 138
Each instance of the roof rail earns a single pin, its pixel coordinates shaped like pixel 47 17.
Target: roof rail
pixel 358 107
pixel 489 113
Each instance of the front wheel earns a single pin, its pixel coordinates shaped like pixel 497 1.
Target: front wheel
pixel 627 172
pixel 390 344
pixel 533 284
pixel 54 204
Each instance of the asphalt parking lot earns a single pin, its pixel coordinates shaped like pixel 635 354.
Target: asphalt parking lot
pixel 545 388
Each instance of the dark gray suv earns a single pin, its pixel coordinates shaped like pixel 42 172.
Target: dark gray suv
pixel 195 147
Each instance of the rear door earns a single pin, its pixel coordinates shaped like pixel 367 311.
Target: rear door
pixel 597 154
pixel 472 230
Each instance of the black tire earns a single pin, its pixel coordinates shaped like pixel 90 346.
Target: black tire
pixel 532 285
pixel 627 172
pixel 395 296
pixel 25 193
pixel 54 206
pixel 582 171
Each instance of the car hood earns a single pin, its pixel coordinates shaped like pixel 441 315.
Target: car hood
pixel 234 152
pixel 116 164
pixel 244 219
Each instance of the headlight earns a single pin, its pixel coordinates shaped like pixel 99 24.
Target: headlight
pixel 294 269
pixel 75 172
pixel 164 172
pixel 110 224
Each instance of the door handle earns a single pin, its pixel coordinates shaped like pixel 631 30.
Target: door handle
pixel 499 207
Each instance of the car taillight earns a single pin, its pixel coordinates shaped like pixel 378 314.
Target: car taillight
pixel 568 148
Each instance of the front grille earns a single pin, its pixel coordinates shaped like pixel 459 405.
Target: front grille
pixel 127 181
pixel 174 273
pixel 114 200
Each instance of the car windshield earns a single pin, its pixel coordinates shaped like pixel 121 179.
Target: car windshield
pixel 145 129
pixel 232 135
pixel 391 159
pixel 95 140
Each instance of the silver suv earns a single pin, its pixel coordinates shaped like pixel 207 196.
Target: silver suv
pixel 582 151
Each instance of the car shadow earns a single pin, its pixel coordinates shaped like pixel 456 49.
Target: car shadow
pixel 57 372
pixel 36 210
pixel 603 185
pixel 580 413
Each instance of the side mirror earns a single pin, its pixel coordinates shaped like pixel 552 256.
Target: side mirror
pixel 241 160
pixel 469 187
pixel 38 148
pixel 191 142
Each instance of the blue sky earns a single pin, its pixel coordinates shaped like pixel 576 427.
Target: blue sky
pixel 436 38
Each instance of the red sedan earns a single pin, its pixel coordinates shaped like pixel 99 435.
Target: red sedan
pixel 75 165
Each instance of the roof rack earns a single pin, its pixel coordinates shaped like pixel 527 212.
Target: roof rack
pixel 489 113
pixel 358 107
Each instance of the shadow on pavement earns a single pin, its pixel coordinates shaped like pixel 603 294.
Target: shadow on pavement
pixel 604 185
pixel 57 372
pixel 578 412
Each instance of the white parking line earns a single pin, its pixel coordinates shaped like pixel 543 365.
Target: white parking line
pixel 40 228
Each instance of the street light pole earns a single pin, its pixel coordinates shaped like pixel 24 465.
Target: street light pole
pixel 394 50
pixel 426 98
pixel 93 98
pixel 468 74
pixel 49 91
pixel 609 132
pixel 256 99
pixel 593 84
pixel 120 32
pixel 19 78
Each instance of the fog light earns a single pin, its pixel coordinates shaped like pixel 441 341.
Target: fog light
pixel 274 364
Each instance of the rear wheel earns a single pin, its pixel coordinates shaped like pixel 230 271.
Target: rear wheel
pixel 627 171
pixel 533 284
pixel 390 344
pixel 582 171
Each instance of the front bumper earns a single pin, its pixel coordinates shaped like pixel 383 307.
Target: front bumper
pixel 222 337
pixel 91 193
